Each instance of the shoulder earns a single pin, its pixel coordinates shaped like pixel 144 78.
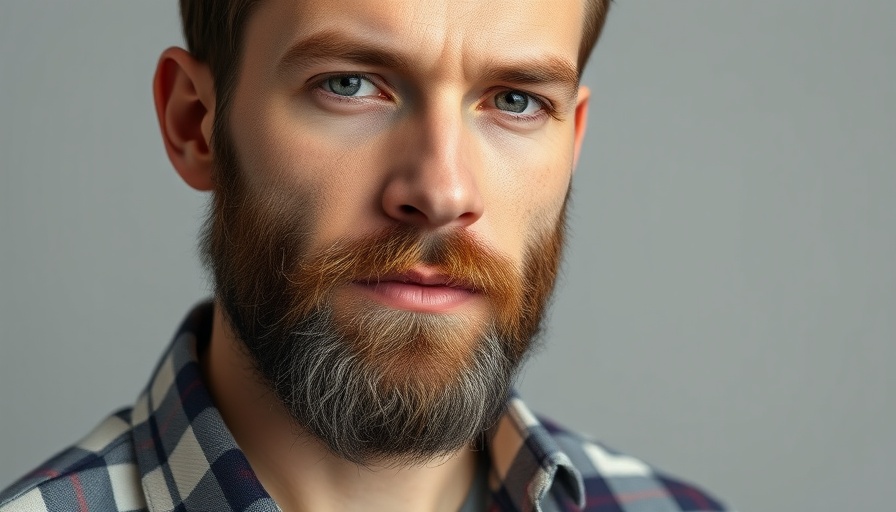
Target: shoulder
pixel 614 481
pixel 97 473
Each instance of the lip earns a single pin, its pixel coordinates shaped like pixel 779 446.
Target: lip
pixel 419 277
pixel 417 290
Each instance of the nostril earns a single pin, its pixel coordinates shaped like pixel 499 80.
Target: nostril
pixel 408 209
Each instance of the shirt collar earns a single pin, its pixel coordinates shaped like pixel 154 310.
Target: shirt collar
pixel 527 462
pixel 187 455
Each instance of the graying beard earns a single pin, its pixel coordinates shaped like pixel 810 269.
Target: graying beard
pixel 342 400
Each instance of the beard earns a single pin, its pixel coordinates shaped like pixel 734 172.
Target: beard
pixel 374 384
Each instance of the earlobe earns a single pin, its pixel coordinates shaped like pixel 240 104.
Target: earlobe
pixel 183 90
pixel 581 122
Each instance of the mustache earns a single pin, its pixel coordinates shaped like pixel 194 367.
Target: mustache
pixel 458 256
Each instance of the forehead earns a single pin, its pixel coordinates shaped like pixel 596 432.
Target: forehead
pixel 435 35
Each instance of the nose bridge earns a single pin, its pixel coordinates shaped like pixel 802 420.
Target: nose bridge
pixel 437 185
pixel 441 143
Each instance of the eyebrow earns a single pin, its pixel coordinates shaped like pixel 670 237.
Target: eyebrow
pixel 546 71
pixel 332 45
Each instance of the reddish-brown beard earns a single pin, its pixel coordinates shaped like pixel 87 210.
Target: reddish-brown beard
pixel 275 290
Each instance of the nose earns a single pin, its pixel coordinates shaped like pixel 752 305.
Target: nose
pixel 433 182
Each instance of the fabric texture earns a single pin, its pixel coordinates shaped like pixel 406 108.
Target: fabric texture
pixel 172 451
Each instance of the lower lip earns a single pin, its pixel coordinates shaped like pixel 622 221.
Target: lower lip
pixel 415 297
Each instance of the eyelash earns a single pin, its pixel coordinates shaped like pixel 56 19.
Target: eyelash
pixel 547 107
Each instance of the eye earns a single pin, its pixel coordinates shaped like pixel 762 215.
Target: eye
pixel 517 102
pixel 350 86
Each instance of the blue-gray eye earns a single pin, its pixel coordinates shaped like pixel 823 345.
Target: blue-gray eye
pixel 512 101
pixel 347 85
pixel 351 86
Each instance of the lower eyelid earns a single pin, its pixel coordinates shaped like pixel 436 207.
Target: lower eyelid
pixel 521 121
pixel 349 104
pixel 538 116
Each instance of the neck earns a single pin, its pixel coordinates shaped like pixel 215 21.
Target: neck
pixel 297 470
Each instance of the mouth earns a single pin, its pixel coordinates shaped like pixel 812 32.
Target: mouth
pixel 421 290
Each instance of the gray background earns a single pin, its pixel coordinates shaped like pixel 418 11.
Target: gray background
pixel 727 310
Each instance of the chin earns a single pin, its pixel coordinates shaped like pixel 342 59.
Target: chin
pixel 412 348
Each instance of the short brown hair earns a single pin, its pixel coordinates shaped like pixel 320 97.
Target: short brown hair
pixel 213 30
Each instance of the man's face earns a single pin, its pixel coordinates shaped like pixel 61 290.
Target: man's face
pixel 389 212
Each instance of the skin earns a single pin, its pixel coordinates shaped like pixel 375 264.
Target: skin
pixel 427 145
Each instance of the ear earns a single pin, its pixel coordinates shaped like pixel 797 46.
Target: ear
pixel 581 121
pixel 184 95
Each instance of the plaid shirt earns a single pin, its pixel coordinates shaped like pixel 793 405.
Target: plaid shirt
pixel 172 451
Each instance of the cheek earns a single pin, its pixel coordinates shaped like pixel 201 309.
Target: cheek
pixel 527 186
pixel 329 161
pixel 284 150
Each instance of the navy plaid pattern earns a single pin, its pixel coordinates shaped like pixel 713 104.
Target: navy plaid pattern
pixel 172 451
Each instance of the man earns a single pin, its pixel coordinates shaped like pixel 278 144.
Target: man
pixel 389 183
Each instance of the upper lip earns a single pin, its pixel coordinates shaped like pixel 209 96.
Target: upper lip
pixel 422 277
